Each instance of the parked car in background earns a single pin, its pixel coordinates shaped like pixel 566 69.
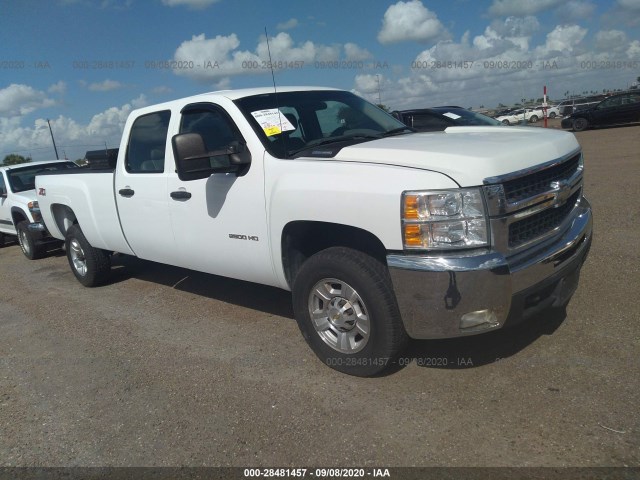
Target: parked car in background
pixel 553 111
pixel 438 118
pixel 19 208
pixel 615 110
pixel 567 107
pixel 518 116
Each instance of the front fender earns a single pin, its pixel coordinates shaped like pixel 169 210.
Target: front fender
pixel 360 195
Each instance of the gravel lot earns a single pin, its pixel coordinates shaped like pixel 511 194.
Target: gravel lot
pixel 166 367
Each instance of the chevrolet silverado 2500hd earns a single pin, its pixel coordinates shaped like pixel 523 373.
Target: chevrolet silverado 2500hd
pixel 381 233
pixel 19 212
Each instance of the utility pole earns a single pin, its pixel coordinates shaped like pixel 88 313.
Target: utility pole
pixel 379 97
pixel 53 140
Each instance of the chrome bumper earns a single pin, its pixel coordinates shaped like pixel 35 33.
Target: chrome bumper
pixel 452 295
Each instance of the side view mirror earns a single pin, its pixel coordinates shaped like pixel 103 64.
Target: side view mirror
pixel 194 161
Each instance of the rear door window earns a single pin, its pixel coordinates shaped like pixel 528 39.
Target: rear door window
pixel 147 142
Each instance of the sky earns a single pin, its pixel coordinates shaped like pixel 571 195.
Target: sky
pixel 86 64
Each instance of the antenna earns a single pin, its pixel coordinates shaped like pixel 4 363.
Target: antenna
pixel 275 91
pixel 273 77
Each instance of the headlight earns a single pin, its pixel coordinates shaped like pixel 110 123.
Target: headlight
pixel 444 219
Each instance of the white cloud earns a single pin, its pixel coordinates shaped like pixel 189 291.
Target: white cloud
pixel 624 12
pixel 18 99
pixel 59 87
pixel 406 21
pixel 504 65
pixel 355 53
pixel 563 38
pixel 105 86
pixel 633 52
pixel 574 10
pixel 161 90
pixel 35 140
pixel 516 26
pixel 611 41
pixel 367 83
pixel 633 5
pixel 288 25
pixel 520 8
pixel 218 58
pixel 195 4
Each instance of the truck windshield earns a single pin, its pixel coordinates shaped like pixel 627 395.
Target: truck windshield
pixel 290 123
pixel 24 178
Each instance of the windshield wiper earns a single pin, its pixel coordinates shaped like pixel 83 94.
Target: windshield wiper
pixel 399 130
pixel 326 141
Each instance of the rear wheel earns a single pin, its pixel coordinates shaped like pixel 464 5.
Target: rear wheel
pixel 552 115
pixel 580 124
pixel 2 239
pixel 505 122
pixel 533 118
pixel 347 312
pixel 28 241
pixel 91 266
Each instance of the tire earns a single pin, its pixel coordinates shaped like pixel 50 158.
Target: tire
pixel 552 115
pixel 365 336
pixel 533 119
pixel 29 245
pixel 91 266
pixel 505 122
pixel 580 124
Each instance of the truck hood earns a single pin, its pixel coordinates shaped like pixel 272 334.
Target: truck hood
pixel 24 197
pixel 466 154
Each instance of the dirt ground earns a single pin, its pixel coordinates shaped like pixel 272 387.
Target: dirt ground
pixel 166 367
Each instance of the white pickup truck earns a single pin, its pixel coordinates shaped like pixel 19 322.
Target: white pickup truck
pixel 382 234
pixel 19 212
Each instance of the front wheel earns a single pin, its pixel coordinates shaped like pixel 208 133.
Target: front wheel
pixel 28 242
pixel 505 122
pixel 91 266
pixel 580 124
pixel 347 312
pixel 552 115
pixel 533 119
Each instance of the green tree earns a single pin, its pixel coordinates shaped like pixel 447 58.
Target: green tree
pixel 14 159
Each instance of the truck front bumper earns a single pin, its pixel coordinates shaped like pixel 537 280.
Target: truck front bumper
pixel 456 294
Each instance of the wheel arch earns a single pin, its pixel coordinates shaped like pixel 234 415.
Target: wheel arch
pixel 63 216
pixel 18 215
pixel 303 238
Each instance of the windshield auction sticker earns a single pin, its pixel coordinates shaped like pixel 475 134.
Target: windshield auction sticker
pixel 272 121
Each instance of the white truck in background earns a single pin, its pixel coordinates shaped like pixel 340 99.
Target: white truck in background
pixel 19 212
pixel 382 234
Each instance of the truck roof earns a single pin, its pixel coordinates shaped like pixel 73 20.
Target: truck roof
pixel 231 95
pixel 31 164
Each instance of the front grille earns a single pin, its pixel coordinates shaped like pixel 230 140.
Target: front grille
pixel 536 183
pixel 536 225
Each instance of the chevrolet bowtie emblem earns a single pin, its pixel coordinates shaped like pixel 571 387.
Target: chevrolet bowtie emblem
pixel 561 190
